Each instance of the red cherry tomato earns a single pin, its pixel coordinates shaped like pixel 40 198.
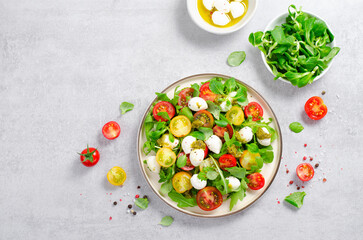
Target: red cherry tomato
pixel 219 131
pixel 163 107
pixel 206 151
pixel 111 130
pixel 255 110
pixel 206 117
pixel 89 156
pixel 256 181
pixel 189 165
pixel 183 95
pixel 315 108
pixel 209 198
pixel 206 93
pixel 305 172
pixel 227 161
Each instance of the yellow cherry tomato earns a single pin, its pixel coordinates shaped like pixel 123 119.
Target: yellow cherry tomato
pixel 181 182
pixel 235 115
pixel 165 157
pixel 180 126
pixel 248 159
pixel 116 176
pixel 206 163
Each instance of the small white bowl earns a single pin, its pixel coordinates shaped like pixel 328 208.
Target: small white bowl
pixel 194 14
pixel 282 19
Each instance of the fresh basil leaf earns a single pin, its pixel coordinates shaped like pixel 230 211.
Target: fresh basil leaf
pixel 236 58
pixel 206 131
pixel 181 199
pixel 267 154
pixel 221 123
pixel 126 107
pixel 164 115
pixel 162 97
pixel 165 188
pixel 187 112
pixel 142 202
pixel 198 135
pixel 181 161
pixel 259 162
pixel 214 109
pixel 252 148
pixel 237 172
pixel 296 199
pixel 216 86
pixel 296 127
pixel 230 85
pixel 212 175
pixel 166 221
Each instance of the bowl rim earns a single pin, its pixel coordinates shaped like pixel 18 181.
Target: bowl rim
pixel 268 27
pixel 139 132
pixel 213 29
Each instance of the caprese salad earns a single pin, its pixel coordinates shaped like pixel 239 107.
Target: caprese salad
pixel 208 143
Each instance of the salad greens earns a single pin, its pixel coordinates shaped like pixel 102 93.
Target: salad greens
pixel 226 93
pixel 166 221
pixel 142 202
pixel 236 58
pixel 296 199
pixel 126 107
pixel 296 127
pixel 297 50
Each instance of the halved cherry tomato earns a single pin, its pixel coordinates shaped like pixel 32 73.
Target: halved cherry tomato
pixel 116 176
pixel 255 110
pixel 256 181
pixel 206 93
pixel 89 156
pixel 235 115
pixel 205 117
pixel 181 182
pixel 305 172
pixel 227 161
pixel 315 108
pixel 111 130
pixel 209 198
pixel 206 163
pixel 163 107
pixel 219 131
pixel 183 95
pixel 206 150
pixel 248 159
pixel 165 157
pixel 189 166
pixel 180 126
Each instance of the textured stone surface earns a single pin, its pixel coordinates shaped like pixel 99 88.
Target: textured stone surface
pixel 65 66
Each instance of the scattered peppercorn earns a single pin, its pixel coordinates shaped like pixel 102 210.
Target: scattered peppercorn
pixel 298 188
pixel 305 145
pixel 287 171
pixel 115 203
pixel 311 158
pixel 138 187
pixel 137 196
pixel 145 196
pixel 317 165
pixel 129 206
pixel 291 182
pixel 324 179
pixel 323 93
pixel 304 158
pixel 134 213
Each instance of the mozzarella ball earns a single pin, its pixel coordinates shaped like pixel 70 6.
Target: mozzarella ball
pixel 246 134
pixel 232 95
pixel 220 18
pixel 225 106
pixel 187 144
pixel 208 4
pixel 196 157
pixel 198 183
pixel 233 183
pixel 214 143
pixel 197 104
pixel 266 141
pixel 164 141
pixel 152 164
pixel 222 6
pixel 237 9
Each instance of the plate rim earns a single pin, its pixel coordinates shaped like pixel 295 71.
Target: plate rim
pixel 182 209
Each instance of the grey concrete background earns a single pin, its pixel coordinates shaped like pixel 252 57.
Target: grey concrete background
pixel 65 66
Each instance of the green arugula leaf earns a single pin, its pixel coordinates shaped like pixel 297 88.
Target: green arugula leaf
pixel 296 199
pixel 216 85
pixel 196 87
pixel 223 185
pixel 221 123
pixel 252 148
pixel 181 199
pixel 166 221
pixel 214 109
pixel 235 196
pixel 162 97
pixel 166 174
pixel 236 58
pixel 267 154
pixel 237 172
pixel 142 202
pixel 164 115
pixel 171 137
pixel 126 107
pixel 181 161
pixel 296 127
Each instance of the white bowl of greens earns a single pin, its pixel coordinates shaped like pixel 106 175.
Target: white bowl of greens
pixel 296 56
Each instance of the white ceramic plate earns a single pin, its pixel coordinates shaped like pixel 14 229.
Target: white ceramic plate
pixel 192 6
pixel 268 171
pixel 282 19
